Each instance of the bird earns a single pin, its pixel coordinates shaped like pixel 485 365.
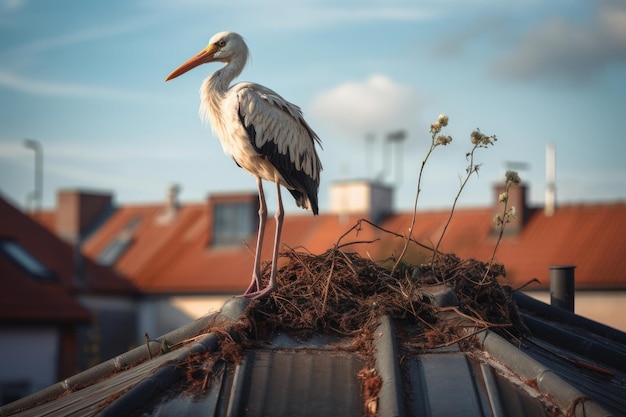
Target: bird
pixel 265 135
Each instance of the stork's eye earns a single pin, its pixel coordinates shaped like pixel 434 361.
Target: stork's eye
pixel 221 43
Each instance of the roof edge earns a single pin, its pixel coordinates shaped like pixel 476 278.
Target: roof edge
pixel 231 311
pixel 566 396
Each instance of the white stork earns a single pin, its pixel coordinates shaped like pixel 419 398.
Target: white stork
pixel 264 133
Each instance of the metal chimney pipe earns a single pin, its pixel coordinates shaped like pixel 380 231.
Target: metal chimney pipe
pixel 562 286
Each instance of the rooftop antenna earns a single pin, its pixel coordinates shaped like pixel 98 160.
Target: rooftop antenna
pixel 550 198
pixel 35 196
pixel 396 138
pixel 369 155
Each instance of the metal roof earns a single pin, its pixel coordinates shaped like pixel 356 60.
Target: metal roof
pixel 570 365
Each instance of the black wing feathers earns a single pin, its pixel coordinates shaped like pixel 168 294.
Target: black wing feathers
pixel 303 186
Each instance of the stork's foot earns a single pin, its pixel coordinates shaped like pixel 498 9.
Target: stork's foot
pixel 255 295
pixel 255 284
pixel 253 291
pixel 252 288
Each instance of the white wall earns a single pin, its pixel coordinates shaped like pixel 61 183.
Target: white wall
pixel 112 330
pixel 29 354
pixel 160 314
pixel 606 307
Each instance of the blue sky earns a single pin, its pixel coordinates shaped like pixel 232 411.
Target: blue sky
pixel 86 80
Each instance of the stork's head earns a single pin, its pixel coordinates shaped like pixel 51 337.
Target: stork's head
pixel 223 47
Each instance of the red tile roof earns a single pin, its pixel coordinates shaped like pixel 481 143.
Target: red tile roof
pixel 175 256
pixel 591 237
pixel 24 298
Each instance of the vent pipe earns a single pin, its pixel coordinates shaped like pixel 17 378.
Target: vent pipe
pixel 550 199
pixel 562 286
pixel 172 205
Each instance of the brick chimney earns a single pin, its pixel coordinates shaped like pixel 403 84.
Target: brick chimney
pixel 517 199
pixel 77 212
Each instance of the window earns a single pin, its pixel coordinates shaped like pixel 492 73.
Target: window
pixel 113 250
pixel 116 248
pixel 18 254
pixel 232 223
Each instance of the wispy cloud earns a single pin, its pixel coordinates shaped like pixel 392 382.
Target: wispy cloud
pixel 37 87
pixel 12 5
pixel 103 151
pixel 569 50
pixel 82 36
pixel 90 164
pixel 489 27
pixel 104 178
pixel 137 153
pixel 297 16
pixel 375 105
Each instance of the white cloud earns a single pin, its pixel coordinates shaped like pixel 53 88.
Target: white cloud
pixel 376 105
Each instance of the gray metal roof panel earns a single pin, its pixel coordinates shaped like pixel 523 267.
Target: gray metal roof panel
pixel 586 355
pixel 299 383
pixel 291 377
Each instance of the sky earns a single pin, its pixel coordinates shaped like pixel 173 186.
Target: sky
pixel 86 80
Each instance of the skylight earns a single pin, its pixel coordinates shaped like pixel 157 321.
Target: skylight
pixel 113 250
pixel 18 254
pixel 116 247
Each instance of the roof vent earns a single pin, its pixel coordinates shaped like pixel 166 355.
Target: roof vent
pixel 172 204
pixel 550 202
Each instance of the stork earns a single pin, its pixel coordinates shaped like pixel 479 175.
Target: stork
pixel 265 134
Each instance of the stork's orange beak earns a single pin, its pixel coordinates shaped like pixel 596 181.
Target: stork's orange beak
pixel 202 57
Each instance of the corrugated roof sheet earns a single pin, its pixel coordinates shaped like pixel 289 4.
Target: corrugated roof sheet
pixel 495 377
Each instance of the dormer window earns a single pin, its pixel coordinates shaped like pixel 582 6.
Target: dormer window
pixel 235 218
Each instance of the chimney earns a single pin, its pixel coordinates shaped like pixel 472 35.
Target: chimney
pixel 78 211
pixel 517 199
pixel 550 199
pixel 361 197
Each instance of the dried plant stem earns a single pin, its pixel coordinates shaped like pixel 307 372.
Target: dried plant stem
pixel 470 170
pixel 409 237
pixel 500 234
pixel 511 178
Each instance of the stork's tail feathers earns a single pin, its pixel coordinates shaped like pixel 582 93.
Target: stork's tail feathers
pixel 305 201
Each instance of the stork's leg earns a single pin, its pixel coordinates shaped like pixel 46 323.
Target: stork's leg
pixel 279 226
pixel 255 283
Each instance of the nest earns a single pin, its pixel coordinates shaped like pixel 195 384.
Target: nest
pixel 345 294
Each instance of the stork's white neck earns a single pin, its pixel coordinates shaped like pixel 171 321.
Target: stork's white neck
pixel 220 80
pixel 215 87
